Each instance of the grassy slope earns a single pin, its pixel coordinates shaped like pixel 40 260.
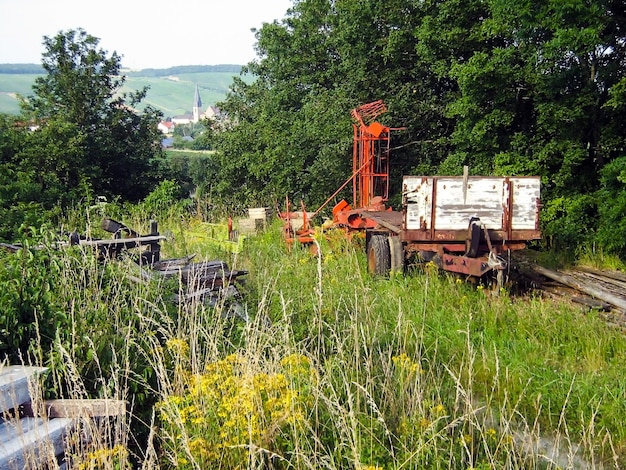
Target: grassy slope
pixel 514 370
pixel 169 96
pixel 415 372
pixel 10 84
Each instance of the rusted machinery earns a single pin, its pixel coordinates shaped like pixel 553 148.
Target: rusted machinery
pixel 464 224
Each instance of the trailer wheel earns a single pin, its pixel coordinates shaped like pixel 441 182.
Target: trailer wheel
pixel 473 243
pixel 396 252
pixel 378 256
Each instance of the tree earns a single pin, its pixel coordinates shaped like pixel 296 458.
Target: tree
pixel 293 133
pixel 505 87
pixel 536 100
pixel 112 146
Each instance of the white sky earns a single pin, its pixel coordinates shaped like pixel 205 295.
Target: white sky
pixel 147 33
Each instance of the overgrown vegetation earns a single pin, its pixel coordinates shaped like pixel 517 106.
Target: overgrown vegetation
pixel 335 369
pixel 505 87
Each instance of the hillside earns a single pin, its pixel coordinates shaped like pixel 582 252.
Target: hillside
pixel 171 90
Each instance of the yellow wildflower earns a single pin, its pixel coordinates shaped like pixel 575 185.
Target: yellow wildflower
pixel 178 346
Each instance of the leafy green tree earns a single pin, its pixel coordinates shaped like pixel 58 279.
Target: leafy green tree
pixel 291 129
pixel 278 128
pixel 534 99
pixel 29 193
pixel 112 146
pixel 504 87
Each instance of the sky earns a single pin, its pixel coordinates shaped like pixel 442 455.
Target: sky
pixel 146 33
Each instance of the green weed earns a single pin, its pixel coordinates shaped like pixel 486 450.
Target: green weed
pixel 412 372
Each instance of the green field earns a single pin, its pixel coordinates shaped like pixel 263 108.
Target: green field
pixel 171 94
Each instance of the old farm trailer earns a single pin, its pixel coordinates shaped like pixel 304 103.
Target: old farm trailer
pixel 464 224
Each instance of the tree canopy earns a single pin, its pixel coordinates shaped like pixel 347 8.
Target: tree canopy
pixel 77 136
pixel 504 87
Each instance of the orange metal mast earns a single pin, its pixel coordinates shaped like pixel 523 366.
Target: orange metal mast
pixel 370 158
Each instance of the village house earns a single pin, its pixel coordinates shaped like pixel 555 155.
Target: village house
pixel 167 127
pixel 196 115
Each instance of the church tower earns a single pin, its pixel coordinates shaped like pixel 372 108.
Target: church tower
pixel 197 105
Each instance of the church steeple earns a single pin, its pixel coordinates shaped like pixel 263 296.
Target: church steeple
pixel 197 105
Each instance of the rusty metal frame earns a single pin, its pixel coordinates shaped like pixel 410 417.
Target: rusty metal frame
pixel 370 155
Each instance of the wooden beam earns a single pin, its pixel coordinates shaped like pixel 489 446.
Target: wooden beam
pixel 381 222
pixel 587 288
pixel 83 408
pixel 123 241
pixel 26 448
pixel 15 385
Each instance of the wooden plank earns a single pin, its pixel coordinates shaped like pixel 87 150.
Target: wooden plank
pixel 483 200
pixel 448 203
pixel 613 275
pixel 11 248
pixel 575 296
pixel 123 241
pixel 43 440
pixel 587 288
pixel 15 384
pixel 417 194
pixel 10 427
pixel 379 218
pixel 173 263
pixel 524 210
pixel 64 408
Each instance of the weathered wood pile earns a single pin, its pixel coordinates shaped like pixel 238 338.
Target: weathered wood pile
pixel 38 434
pixel 601 290
pixel 208 282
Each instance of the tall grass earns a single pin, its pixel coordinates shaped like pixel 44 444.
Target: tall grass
pixel 336 369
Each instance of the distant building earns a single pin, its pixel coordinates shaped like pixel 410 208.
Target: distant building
pixel 197 105
pixel 186 118
pixel 167 127
pixel 196 115
pixel 212 112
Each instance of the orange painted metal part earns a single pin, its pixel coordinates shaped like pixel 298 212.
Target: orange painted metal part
pixel 370 169
pixel 303 235
pixel 370 155
pixel 370 177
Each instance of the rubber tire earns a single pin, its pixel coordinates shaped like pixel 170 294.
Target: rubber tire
pixel 396 251
pixel 474 242
pixel 378 255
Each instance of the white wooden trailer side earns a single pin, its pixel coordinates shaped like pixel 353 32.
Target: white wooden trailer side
pixel 449 203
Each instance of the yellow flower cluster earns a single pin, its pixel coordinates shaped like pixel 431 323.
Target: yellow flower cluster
pixel 298 365
pixel 406 365
pixel 438 410
pixel 238 406
pixel 116 457
pixel 178 347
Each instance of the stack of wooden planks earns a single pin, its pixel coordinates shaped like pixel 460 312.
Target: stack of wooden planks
pixel 35 433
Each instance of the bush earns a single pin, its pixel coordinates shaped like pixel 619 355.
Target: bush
pixel 611 233
pixel 166 199
pixel 569 222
